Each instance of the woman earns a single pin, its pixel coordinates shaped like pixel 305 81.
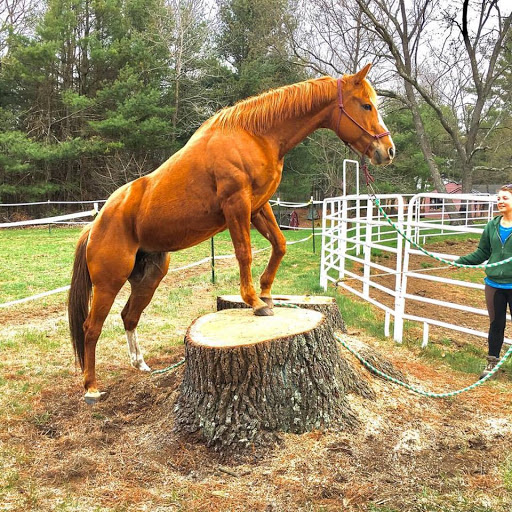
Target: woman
pixel 496 245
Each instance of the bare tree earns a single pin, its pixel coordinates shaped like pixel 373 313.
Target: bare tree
pixel 429 52
pixel 327 41
pixel 331 39
pixel 16 16
pixel 458 71
pixel 186 39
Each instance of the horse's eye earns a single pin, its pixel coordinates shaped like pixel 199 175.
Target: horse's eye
pixel 367 106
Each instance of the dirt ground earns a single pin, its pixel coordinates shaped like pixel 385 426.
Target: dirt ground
pixel 409 453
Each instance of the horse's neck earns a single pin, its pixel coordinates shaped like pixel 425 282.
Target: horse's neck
pixel 290 132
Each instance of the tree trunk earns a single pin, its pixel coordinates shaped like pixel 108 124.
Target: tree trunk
pixel 423 140
pixel 248 377
pixel 467 177
pixel 325 305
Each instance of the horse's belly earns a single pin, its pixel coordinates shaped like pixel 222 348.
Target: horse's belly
pixel 170 235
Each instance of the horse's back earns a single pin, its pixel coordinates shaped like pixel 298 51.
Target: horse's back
pixel 180 203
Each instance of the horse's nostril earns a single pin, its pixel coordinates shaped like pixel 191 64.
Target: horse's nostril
pixel 391 152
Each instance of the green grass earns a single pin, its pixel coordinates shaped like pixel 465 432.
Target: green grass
pixel 467 359
pixel 507 473
pixel 361 314
pixel 34 260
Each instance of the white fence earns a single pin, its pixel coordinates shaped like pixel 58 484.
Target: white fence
pixel 282 210
pixel 70 218
pixel 363 254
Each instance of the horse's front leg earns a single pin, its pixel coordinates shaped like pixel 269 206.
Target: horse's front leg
pixel 265 222
pixel 237 212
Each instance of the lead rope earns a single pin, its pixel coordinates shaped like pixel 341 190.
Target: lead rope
pixel 414 389
pixel 419 391
pixel 169 368
pixel 376 202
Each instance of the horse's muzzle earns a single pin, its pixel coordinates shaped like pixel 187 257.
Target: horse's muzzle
pixel 383 155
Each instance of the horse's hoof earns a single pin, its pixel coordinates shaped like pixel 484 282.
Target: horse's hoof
pixel 141 365
pixel 268 301
pixel 92 397
pixel 264 311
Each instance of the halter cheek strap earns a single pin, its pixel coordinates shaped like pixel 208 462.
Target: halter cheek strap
pixel 372 136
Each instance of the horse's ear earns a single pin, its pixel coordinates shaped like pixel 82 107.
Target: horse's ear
pixel 361 75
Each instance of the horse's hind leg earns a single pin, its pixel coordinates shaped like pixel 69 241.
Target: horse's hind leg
pixel 265 222
pixel 102 300
pixel 109 268
pixel 149 270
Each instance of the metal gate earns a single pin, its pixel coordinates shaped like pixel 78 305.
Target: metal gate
pixel 353 232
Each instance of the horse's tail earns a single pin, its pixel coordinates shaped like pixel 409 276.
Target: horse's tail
pixel 79 298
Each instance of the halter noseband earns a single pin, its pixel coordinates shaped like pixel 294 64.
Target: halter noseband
pixel 372 135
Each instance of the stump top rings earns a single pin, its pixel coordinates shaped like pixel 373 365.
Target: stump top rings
pixel 239 327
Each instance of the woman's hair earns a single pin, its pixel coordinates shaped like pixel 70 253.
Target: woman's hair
pixel 507 188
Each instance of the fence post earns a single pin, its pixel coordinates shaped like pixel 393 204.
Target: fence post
pixel 399 268
pixel 313 223
pixel 49 224
pixel 323 250
pixel 367 249
pixel 213 260
pixel 412 212
pixel 425 335
pixel 342 243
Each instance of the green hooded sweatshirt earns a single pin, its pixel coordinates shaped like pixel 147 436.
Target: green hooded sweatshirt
pixel 491 248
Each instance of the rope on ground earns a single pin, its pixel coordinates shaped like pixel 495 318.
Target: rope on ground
pixel 418 390
pixel 169 368
pixel 414 389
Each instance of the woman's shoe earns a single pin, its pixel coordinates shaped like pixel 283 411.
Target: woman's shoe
pixel 491 363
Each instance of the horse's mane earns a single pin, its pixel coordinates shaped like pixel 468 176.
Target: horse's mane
pixel 257 113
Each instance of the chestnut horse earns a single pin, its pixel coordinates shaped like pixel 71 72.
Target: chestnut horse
pixel 222 178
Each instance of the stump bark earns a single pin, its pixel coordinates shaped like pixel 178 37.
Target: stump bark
pixel 323 304
pixel 248 377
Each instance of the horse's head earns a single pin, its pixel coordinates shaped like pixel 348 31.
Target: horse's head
pixel 358 122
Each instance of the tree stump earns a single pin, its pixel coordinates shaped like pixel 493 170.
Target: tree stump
pixel 320 303
pixel 249 377
pixel 329 308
